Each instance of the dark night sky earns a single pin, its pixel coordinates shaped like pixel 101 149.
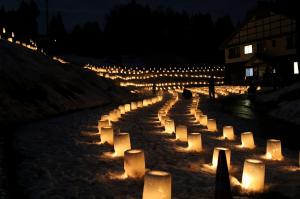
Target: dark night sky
pixel 80 11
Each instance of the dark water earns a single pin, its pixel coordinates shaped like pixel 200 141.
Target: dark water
pixel 266 126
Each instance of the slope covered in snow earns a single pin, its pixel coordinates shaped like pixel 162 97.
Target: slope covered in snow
pixel 285 103
pixel 33 86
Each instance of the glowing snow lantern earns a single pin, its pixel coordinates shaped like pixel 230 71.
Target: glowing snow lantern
pixel 3 30
pixel 122 109
pixel 247 140
pixel 145 102
pixel 133 105
pixel 134 163
pixel 181 133
pixel 194 142
pixel 228 132
pixel 169 126
pixel 253 175
pixel 113 116
pixel 103 123
pixel 140 104
pixel 198 113
pixel 203 120
pixel 158 185
pixel 121 143
pixel 107 135
pixel 212 125
pixel 216 156
pixel 274 149
pixel 127 108
pixel 163 120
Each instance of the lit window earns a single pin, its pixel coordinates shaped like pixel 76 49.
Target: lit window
pixel 248 49
pixel 249 72
pixel 296 68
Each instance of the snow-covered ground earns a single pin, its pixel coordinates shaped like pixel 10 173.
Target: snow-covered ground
pixel 287 102
pixel 63 158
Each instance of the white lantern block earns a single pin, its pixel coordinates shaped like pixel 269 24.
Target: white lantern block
pixel 181 133
pixel 157 185
pixel 247 140
pixel 228 132
pixel 140 104
pixel 203 120
pixel 194 142
pixel 193 110
pixel 198 113
pixel 113 116
pixel 105 117
pixel 274 149
pixel 133 106
pixel 134 163
pixel 127 108
pixel 103 123
pixel 121 143
pixel 169 126
pixel 145 102
pixel 122 109
pixel 253 175
pixel 161 113
pixel 153 100
pixel 164 118
pixel 107 135
pixel 216 156
pixel 212 125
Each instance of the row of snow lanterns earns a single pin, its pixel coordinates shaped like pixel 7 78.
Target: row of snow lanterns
pixel 156 183
pixel 254 170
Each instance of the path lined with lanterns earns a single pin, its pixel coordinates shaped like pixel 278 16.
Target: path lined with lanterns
pixel 149 149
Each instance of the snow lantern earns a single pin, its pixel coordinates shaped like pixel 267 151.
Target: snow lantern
pixel 228 132
pixel 181 133
pixel 133 106
pixel 134 163
pixel 145 102
pixel 253 178
pixel 212 125
pixel 140 104
pixel 194 142
pixel 216 156
pixel 103 123
pixel 127 108
pixel 169 126
pixel 203 120
pixel 157 184
pixel 122 109
pixel 107 135
pixel 121 143
pixel 274 149
pixel 247 140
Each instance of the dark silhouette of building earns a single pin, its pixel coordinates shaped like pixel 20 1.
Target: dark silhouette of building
pixel 263 48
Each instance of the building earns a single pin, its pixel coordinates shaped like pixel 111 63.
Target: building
pixel 263 49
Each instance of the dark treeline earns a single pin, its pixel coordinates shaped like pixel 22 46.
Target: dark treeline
pixel 162 34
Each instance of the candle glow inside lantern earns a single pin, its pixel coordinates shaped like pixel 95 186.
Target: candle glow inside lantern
pixel 198 113
pixel 145 102
pixel 228 132
pixel 113 116
pixel 274 149
pixel 127 108
pixel 163 120
pixel 181 133
pixel 134 163
pixel 247 140
pixel 212 125
pixel 140 104
pixel 194 142
pixel 121 143
pixel 253 178
pixel 103 123
pixel 216 156
pixel 157 185
pixel 107 135
pixel 122 109
pixel 133 106
pixel 203 120
pixel 169 126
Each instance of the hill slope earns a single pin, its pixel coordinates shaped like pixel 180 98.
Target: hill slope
pixel 33 86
